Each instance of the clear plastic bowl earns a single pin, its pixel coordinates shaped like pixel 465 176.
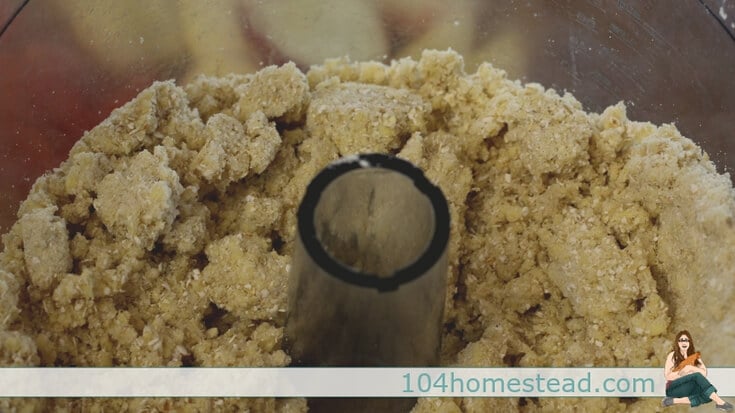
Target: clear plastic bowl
pixel 64 65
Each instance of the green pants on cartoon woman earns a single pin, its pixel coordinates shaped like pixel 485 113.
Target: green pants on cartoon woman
pixel 695 386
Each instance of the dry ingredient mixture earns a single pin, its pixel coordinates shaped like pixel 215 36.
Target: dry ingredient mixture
pixel 578 239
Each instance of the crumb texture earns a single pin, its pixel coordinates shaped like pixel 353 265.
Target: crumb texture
pixel 165 239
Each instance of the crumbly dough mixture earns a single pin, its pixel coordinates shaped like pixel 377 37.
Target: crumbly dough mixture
pixel 577 239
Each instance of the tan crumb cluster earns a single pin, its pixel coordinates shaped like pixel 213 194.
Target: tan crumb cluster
pixel 577 239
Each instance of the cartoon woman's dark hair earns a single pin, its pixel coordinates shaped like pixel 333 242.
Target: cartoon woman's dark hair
pixel 678 357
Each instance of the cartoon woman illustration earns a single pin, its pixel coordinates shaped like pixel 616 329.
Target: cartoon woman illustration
pixel 685 373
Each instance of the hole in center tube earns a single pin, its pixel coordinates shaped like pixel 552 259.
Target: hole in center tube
pixel 374 221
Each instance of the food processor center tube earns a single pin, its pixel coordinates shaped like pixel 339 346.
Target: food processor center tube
pixel 368 277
